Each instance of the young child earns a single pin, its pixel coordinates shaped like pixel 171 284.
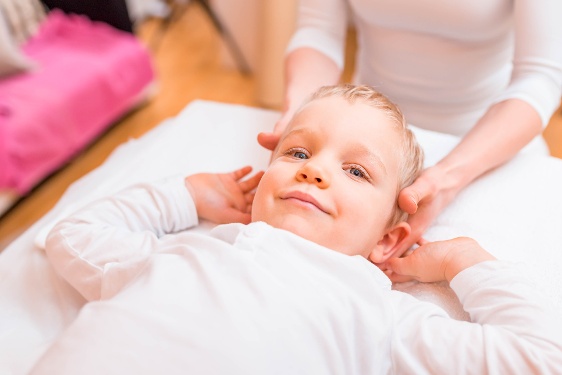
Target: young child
pixel 295 291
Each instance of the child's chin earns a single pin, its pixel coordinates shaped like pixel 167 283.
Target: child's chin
pixel 299 227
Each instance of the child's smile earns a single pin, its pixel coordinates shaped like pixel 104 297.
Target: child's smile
pixel 333 178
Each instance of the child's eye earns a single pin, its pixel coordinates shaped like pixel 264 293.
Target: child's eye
pixel 356 172
pixel 359 172
pixel 297 153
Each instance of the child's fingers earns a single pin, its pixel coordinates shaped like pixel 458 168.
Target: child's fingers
pixel 251 183
pixel 249 201
pixel 240 173
pixel 249 197
pixel 232 215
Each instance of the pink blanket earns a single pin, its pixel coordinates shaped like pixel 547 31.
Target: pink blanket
pixel 88 75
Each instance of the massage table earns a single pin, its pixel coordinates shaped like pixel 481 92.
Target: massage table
pixel 515 212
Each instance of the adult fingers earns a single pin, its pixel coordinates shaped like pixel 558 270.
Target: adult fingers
pixel 419 222
pixel 268 140
pixel 407 243
pixel 401 269
pixel 396 278
pixel 408 200
pixel 410 197
pixel 411 244
pixel 422 241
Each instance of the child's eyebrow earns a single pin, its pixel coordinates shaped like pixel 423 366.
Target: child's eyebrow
pixel 365 153
pixel 291 134
pixel 360 151
pixel 296 132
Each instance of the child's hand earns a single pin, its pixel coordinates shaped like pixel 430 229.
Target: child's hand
pixel 223 197
pixel 436 261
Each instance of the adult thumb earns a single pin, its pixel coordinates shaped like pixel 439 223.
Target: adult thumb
pixel 408 200
pixel 268 140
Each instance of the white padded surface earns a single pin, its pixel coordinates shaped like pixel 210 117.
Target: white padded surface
pixel 515 212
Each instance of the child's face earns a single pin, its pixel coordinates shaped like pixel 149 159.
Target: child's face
pixel 333 177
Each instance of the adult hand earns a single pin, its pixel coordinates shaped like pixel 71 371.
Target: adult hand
pixel 424 200
pixel 436 261
pixel 306 69
pixel 224 197
pixel 270 140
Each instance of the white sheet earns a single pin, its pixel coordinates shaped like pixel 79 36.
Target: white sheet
pixel 515 212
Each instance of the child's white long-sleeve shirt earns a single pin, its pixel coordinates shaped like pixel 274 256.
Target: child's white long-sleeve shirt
pixel 253 299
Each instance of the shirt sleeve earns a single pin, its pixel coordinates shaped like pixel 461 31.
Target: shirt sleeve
pixel 512 329
pixel 103 246
pixel 322 25
pixel 537 62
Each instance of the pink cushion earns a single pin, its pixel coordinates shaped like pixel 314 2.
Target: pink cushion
pixel 89 74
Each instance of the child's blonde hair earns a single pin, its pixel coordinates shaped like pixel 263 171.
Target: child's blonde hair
pixel 411 163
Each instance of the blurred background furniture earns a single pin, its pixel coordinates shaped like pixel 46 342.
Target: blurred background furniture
pixel 191 63
pixel 177 8
pixel 78 78
pixel 112 12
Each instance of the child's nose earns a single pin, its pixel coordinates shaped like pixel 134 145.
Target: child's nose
pixel 314 175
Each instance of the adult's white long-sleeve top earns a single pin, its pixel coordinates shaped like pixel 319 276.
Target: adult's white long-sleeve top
pixel 445 62
pixel 253 299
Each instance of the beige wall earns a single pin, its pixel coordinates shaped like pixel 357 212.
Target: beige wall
pixel 262 29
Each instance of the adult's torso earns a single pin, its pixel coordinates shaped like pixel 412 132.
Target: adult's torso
pixel 442 61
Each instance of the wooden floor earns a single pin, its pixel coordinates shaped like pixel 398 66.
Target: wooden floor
pixel 553 134
pixel 188 64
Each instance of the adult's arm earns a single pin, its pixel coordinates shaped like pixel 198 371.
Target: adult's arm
pixel 512 328
pixel 506 128
pixel 314 57
pixel 517 116
pixel 306 69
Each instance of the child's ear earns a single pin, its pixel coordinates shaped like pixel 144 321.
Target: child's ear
pixel 390 243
